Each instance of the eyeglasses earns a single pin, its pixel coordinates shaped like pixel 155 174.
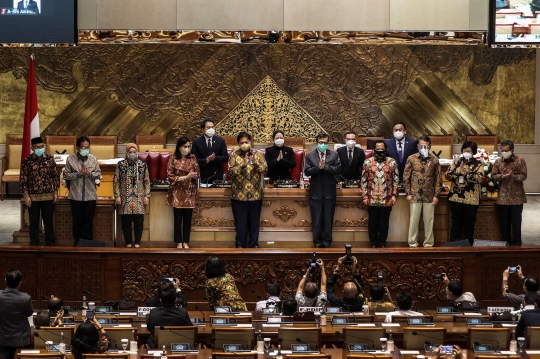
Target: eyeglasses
pixel 85 148
pixel 322 143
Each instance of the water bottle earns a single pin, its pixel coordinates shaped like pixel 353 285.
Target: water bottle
pixel 390 342
pixel 513 343
pixel 365 308
pixel 260 342
pixel 164 353
pixel 279 355
pixel 84 304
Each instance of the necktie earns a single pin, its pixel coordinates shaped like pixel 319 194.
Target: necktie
pixel 209 146
pixel 400 151
pixel 350 156
pixel 322 156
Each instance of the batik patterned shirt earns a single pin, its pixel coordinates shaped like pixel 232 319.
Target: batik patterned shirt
pixel 132 184
pixel 247 179
pixel 39 177
pixel 380 181
pixel 222 291
pixel 183 193
pixel 422 177
pixel 82 188
pixel 511 191
pixel 467 192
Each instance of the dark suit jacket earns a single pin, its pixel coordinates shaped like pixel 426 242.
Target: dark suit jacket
pixel 351 171
pixel 32 6
pixel 528 318
pixel 200 150
pixel 322 184
pixel 166 316
pixel 155 301
pixel 411 147
pixel 15 308
pixel 279 170
pixel 353 304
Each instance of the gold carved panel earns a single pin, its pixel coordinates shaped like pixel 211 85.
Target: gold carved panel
pixel 284 213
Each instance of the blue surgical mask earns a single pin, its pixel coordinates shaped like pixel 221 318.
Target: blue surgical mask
pixel 39 151
pixel 84 152
pixel 322 147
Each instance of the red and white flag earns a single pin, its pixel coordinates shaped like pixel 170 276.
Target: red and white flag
pixel 31 115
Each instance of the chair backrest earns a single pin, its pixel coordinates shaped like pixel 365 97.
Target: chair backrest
pixel 225 165
pixel 172 356
pixel 308 356
pixel 534 29
pixel 367 142
pixel 52 334
pixel 60 144
pixel 116 318
pixel 295 142
pixel 504 29
pixel 167 337
pixel 239 318
pixel 463 318
pixel 243 336
pixel 230 141
pixel 405 318
pixel 297 171
pixel 442 144
pixel 489 143
pixel 146 143
pixel 533 337
pixel 103 147
pixel 13 151
pixel 416 342
pixel 358 335
pixel 234 356
pixel 309 336
pixel 490 336
pixel 368 356
pixel 157 164
pixel 106 356
pixel 39 356
pixel 117 334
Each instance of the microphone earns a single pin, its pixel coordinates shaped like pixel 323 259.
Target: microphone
pixel 355 337
pixel 425 311
pixel 428 336
pixel 93 350
pixel 299 340
pixel 95 295
pixel 259 296
pixel 343 178
pixel 207 179
pixel 61 335
pixel 245 341
pixel 177 333
pixel 210 345
pixel 491 340
pixel 203 317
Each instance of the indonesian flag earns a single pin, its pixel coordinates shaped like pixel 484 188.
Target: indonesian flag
pixel 31 116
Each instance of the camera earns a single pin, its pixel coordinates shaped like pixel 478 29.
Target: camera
pixel 512 269
pixel 438 276
pixel 313 262
pixel 380 277
pixel 348 255
pixel 170 279
pixel 89 314
pixel 447 349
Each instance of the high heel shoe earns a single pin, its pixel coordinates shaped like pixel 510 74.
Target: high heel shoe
pixel 179 245
pixel 185 245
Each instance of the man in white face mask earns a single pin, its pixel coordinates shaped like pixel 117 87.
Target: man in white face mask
pixel 510 171
pixel 423 182
pixel 211 152
pixel 400 147
pixel 351 157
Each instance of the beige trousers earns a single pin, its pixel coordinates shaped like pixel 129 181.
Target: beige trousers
pixel 428 212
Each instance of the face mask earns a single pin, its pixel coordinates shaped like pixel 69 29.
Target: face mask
pixel 506 155
pixel 467 155
pixel 210 132
pixel 279 142
pixel 132 156
pixel 40 151
pixel 185 151
pixel 424 152
pixel 245 147
pixel 398 135
pixel 380 153
pixel 322 147
pixel 84 153
pixel 350 144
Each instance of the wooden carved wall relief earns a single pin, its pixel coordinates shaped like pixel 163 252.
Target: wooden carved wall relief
pixel 167 90
pixel 139 278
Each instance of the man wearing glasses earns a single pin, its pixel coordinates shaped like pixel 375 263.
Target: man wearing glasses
pixel 322 165
pixel 82 171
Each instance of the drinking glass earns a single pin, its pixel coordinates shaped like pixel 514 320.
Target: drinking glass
pixel 514 317
pixel 267 343
pixel 317 318
pixel 521 342
pixel 125 345
pixel 48 345
pixel 383 344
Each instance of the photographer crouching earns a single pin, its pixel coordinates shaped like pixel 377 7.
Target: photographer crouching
pixel 353 291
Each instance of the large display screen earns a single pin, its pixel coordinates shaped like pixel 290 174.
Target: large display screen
pixel 38 21
pixel 514 23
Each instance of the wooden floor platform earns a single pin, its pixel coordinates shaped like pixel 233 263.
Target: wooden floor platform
pixel 132 274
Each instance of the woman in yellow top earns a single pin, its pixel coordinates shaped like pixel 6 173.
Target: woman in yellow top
pixel 220 287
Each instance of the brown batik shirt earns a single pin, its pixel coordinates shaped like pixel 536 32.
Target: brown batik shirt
pixel 511 191
pixel 422 177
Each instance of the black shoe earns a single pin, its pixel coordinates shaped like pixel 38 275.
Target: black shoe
pixel 256 246
pixel 320 246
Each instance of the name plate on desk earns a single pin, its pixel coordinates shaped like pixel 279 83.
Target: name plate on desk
pixel 499 309
pixel 143 311
pixel 223 321
pixel 311 309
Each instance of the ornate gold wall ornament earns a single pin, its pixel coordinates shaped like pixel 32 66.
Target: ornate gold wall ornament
pixel 351 204
pixel 199 221
pixel 303 223
pixel 303 204
pixel 266 203
pixel 362 222
pixel 284 213
pixel 267 223
pixel 266 108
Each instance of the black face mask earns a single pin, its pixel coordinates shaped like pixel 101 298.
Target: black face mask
pixel 380 154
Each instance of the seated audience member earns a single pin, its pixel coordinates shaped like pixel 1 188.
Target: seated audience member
pixel 289 306
pixel 220 287
pixel 54 304
pixel 166 315
pixel 353 291
pixel 454 291
pixel 404 303
pixel 90 337
pixel 42 319
pixel 272 295
pixel 164 283
pixel 381 301
pixel 530 285
pixel 529 318
pixel 309 295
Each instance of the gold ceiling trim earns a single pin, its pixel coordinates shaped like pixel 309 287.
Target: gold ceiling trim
pixel 267 108
pixel 338 37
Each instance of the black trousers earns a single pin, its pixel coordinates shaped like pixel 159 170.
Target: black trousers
pixel 38 210
pixel 247 218
pixel 83 219
pixel 138 224
pixel 182 224
pixel 322 220
pixel 510 218
pixel 378 224
pixel 7 352
pixel 463 220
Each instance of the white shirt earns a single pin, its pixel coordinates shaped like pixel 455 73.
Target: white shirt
pixel 262 303
pixel 401 313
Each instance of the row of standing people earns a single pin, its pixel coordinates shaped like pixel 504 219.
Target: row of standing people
pixel 398 160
